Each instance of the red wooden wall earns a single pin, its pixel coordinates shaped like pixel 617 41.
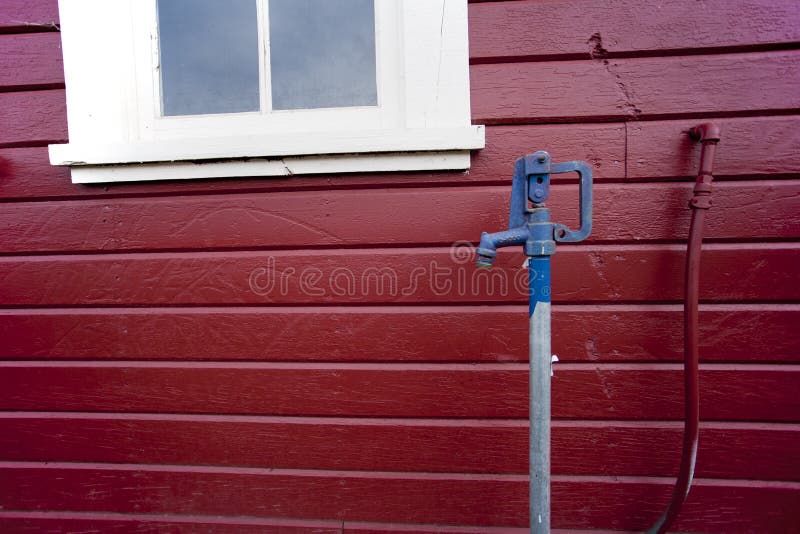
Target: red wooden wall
pixel 145 385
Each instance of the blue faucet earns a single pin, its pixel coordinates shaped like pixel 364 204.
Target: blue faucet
pixel 529 220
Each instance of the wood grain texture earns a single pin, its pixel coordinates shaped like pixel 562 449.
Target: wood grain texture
pixel 29 174
pixel 501 31
pixel 94 522
pixel 618 89
pixel 656 150
pixel 750 146
pixel 608 333
pixel 579 502
pixel 566 91
pixel 372 402
pixel 619 391
pixel 32 117
pixel 156 523
pixel 513 30
pixel 31 59
pixel 727 450
pixel 629 212
pixel 615 274
pixel 28 15
pixel 364 527
pixel 22 522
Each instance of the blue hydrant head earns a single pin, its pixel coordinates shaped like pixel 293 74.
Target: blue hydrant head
pixel 532 166
pixel 529 220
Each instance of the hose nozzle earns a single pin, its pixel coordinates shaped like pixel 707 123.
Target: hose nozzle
pixel 486 252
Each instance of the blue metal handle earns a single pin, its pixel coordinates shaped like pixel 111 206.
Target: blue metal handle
pixel 561 232
pixel 529 219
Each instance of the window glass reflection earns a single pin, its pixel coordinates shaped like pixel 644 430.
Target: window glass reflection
pixel 208 56
pixel 322 53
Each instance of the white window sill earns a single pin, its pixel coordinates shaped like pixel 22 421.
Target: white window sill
pixel 407 150
pixel 286 166
pixel 294 144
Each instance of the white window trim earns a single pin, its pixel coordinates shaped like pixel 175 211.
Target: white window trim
pixel 382 117
pixel 116 132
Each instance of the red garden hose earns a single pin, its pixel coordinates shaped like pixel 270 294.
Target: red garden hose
pixel 708 134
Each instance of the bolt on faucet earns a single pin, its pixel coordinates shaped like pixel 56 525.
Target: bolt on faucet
pixel 529 225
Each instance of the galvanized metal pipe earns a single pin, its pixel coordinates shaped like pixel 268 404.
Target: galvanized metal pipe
pixel 540 367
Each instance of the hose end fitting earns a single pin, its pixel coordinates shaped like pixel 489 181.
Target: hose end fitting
pixel 707 132
pixel 486 252
pixel 484 262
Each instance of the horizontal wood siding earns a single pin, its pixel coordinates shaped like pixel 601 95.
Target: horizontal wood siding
pixel 581 333
pixel 318 354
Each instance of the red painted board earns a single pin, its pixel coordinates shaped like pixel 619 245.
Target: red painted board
pixel 656 150
pixel 631 273
pixel 32 117
pixel 365 527
pixel 670 87
pixel 89 522
pixel 535 29
pixel 589 90
pixel 600 391
pixel 727 450
pixel 629 212
pixel 578 502
pixel 611 333
pixel 502 31
pixel 138 523
pixel 28 15
pixel 748 146
pixel 28 173
pixel 601 145
pixel 31 59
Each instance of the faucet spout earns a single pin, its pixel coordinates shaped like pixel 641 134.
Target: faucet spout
pixel 487 249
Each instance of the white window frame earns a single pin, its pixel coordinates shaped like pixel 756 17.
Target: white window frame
pixel 117 133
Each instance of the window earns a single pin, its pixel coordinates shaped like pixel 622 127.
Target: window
pixel 165 89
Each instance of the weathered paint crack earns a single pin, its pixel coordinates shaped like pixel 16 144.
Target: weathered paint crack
pixel 286 167
pixel 592 352
pixel 632 110
pixel 441 52
pixel 599 52
pixel 51 25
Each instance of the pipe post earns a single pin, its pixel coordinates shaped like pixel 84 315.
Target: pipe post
pixel 530 226
pixel 539 388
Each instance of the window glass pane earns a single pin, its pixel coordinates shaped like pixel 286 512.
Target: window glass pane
pixel 209 56
pixel 322 53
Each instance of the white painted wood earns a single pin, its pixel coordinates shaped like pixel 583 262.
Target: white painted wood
pixel 264 72
pixel 273 145
pixel 410 161
pixel 436 55
pixel 155 127
pixel 114 101
pixel 100 84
